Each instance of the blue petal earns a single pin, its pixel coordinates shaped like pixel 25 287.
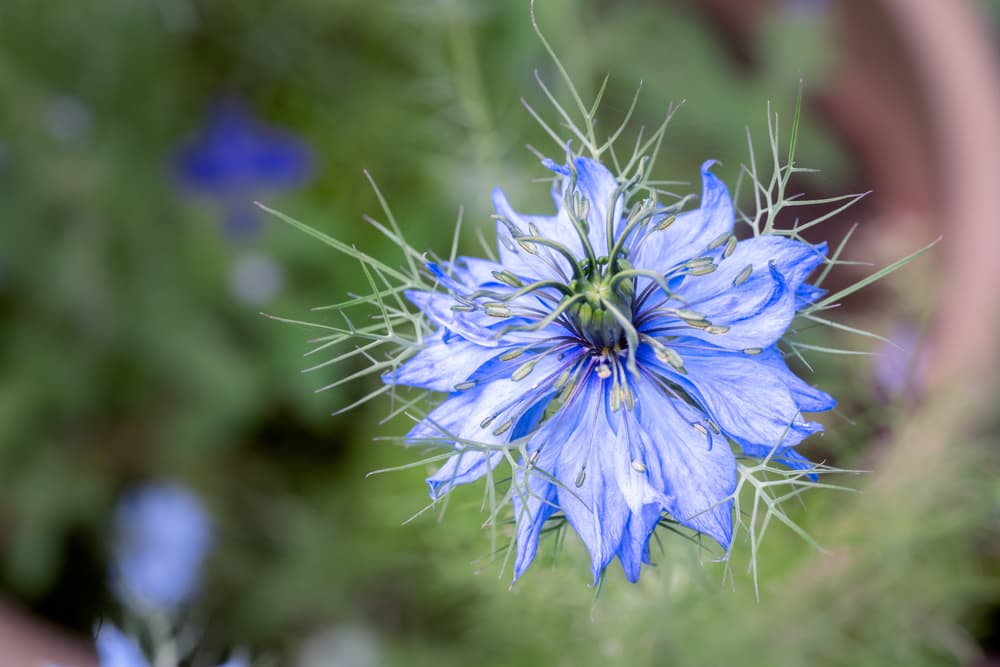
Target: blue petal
pixel 461 418
pixel 808 398
pixel 757 312
pixel 441 365
pixel 597 185
pixel 784 455
pixel 473 326
pixel 529 266
pixel 748 400
pixel 794 260
pixel 691 233
pixel 534 497
pixel 592 500
pixel 699 470
pixel 115 649
pixel 466 466
pixel 234 152
pixel 807 294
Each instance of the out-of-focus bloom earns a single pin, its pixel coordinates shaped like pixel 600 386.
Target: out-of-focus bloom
pixel 235 158
pixel 341 646
pixel 255 279
pixel 162 536
pixel 623 347
pixel 116 649
pixel 67 119
pixel 899 365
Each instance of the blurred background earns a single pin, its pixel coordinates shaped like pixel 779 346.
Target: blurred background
pixel 133 270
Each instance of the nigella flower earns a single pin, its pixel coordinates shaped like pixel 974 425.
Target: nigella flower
pixel 621 347
pixel 162 535
pixel 117 649
pixel 235 158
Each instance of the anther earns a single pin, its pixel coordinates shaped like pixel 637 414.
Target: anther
pixel 669 220
pixel 701 429
pixel 495 310
pixel 504 427
pixel 510 355
pixel 462 386
pixel 742 276
pixel 486 422
pixel 581 477
pixel 638 466
pixel 719 240
pixel 752 350
pixel 717 329
pixel 533 458
pixel 730 247
pixel 508 278
pixel 528 247
pixel 462 308
pixel 603 371
pixel 523 370
pixel 561 380
pixel 702 270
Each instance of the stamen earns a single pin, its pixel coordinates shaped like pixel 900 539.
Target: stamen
pixel 497 310
pixel 742 276
pixel 719 240
pixel 702 270
pixel 507 278
pixel 504 427
pixel 523 370
pixel 730 247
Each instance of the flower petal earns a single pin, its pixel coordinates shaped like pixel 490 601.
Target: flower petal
pixel 699 469
pixel 466 466
pixel 440 364
pixel 597 185
pixel 516 259
pixel 793 259
pixel 589 493
pixel 748 400
pixel 534 498
pixel 691 233
pixel 115 649
pixel 755 313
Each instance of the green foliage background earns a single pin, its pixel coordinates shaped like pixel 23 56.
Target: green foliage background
pixel 126 358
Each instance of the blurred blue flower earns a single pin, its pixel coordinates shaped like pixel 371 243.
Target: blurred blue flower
pixel 235 159
pixel 622 347
pixel 116 649
pixel 899 366
pixel 162 536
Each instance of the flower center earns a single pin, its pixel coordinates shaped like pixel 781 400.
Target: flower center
pixel 604 311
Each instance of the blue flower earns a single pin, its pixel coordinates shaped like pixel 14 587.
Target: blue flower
pixel 116 649
pixel 621 348
pixel 234 158
pixel 162 536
